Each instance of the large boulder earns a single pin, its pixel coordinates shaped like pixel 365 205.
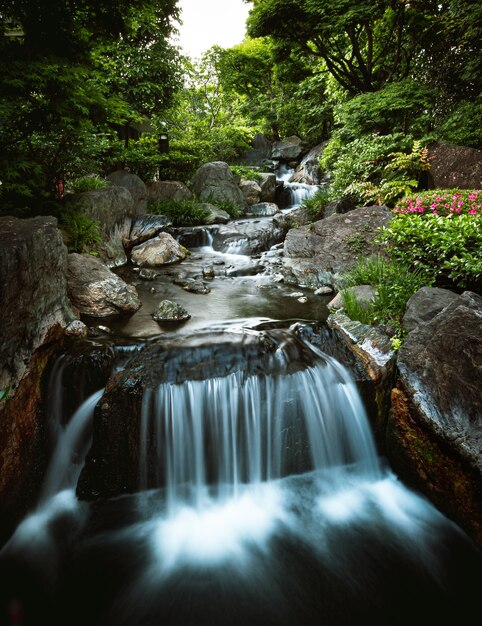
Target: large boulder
pixel 215 215
pixel 267 183
pixel 260 151
pixel 454 167
pixel 96 291
pixel 146 227
pixel 308 171
pixel 425 304
pixel 434 438
pixel 162 190
pixel 289 149
pixel 317 254
pixel 135 186
pixel 109 206
pixel 251 191
pixel 247 237
pixel 162 250
pixel 35 308
pixel 214 182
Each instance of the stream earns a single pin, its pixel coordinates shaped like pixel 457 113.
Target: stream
pixel 257 495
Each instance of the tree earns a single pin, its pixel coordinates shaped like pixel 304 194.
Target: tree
pixel 364 43
pixel 57 99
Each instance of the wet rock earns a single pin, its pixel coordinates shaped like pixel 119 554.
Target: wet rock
pixel 96 291
pixel 77 329
pixel 148 274
pixel 316 255
pixel 308 171
pixel 35 309
pixel 267 183
pixel 434 436
pixel 162 250
pixel 192 236
pixel 208 272
pixel 192 286
pixel 251 269
pixel 247 237
pixel 323 291
pixel 147 227
pixel 264 209
pixel 169 311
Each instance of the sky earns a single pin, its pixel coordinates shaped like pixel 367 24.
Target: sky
pixel 209 22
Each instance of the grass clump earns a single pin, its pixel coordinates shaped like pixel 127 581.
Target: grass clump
pixel 315 204
pixel 88 183
pixel 79 231
pixel 181 212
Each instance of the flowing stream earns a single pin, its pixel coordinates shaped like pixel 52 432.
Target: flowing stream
pixel 261 499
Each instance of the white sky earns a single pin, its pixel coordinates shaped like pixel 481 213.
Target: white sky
pixel 209 22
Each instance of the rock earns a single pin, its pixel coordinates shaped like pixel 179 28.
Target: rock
pixel 169 311
pixel 147 274
pixel 424 305
pixel 308 171
pixel 260 151
pixel 250 269
pixel 162 190
pixel 208 272
pixel 455 167
pixel 96 291
pixel 267 185
pixel 192 285
pixel 214 182
pixel 323 291
pixel 434 437
pixel 77 329
pixel 192 236
pixel 364 295
pixel 340 206
pixel 147 227
pixel 135 186
pixel 317 255
pixel 251 191
pixel 35 309
pixel 109 206
pixel 247 237
pixel 264 209
pixel 215 215
pixel 288 149
pixel 162 250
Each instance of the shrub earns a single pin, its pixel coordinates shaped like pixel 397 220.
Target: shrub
pixel 246 172
pixel 446 249
pixel 395 282
pixel 181 212
pixel 442 202
pixel 87 183
pixel 80 232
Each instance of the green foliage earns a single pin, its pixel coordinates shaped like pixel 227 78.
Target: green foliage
pixel 402 107
pixel 315 205
pixel 375 169
pixel 463 127
pixel 181 212
pixel 80 232
pixel 246 172
pixel 140 156
pixel 87 183
pixel 445 249
pixel 394 281
pixel 4 393
pixel 354 309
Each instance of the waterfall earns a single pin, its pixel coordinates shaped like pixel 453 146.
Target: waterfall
pixel 215 435
pixel 299 192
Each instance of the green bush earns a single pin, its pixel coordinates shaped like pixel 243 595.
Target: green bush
pixel 181 212
pixel 395 282
pixel 246 172
pixel 80 232
pixel 445 249
pixel 87 183
pixel 375 169
pixel 464 124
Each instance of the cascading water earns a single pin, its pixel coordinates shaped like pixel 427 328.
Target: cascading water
pixel 262 502
pixel 299 192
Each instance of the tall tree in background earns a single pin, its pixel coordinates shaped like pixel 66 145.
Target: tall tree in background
pixel 57 85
